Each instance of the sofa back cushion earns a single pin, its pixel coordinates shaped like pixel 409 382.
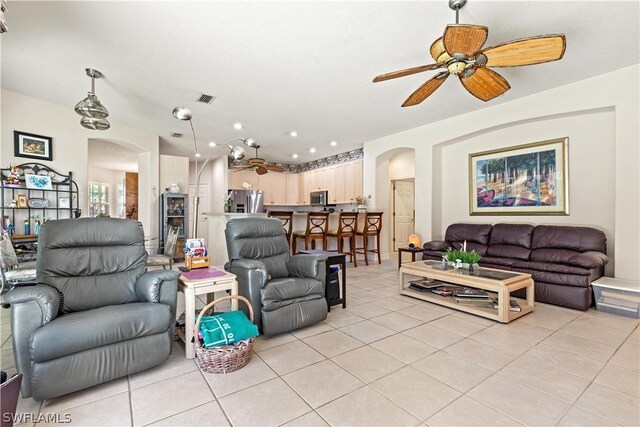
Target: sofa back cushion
pixel 510 241
pixel 579 239
pixel 476 236
pixel 93 262
pixel 262 239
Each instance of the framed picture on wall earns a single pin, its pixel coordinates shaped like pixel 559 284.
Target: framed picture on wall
pixel 530 179
pixel 32 146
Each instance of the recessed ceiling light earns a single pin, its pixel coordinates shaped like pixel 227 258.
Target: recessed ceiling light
pixel 197 154
pixel 333 143
pixel 312 150
pixel 237 126
pixel 293 133
pixel 295 156
pixel 212 144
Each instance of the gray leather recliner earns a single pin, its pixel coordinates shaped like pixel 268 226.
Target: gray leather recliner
pixel 286 292
pixel 96 313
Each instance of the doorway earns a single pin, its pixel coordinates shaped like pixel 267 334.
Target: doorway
pixel 403 212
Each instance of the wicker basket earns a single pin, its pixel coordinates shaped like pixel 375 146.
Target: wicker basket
pixel 226 358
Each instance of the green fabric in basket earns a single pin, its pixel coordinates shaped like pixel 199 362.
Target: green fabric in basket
pixel 226 328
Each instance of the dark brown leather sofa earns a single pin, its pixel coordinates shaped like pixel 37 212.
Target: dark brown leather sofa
pixel 562 260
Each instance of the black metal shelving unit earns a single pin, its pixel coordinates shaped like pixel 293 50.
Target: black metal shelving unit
pixel 174 212
pixel 63 186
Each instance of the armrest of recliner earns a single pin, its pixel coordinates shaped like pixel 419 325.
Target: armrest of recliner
pixel 160 286
pixel 437 245
pixel 31 308
pixel 308 265
pixel 252 276
pixel 46 299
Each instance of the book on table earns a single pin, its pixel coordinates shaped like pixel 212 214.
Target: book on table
pixel 445 291
pixel 475 302
pixel 424 285
pixel 471 293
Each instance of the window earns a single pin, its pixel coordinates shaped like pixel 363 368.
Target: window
pixel 121 202
pixel 98 199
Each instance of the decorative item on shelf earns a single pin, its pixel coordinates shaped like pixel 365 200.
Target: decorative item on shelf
pixel 27 227
pixel 94 114
pixel 173 188
pixel 32 146
pixel 38 182
pixel 36 224
pixel 23 201
pixel 13 204
pixel 8 226
pixel 13 177
pixel 246 185
pixel 461 259
pixel 414 240
pixel 64 203
pixel 38 203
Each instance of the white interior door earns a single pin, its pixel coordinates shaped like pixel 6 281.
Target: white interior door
pixel 203 229
pixel 403 213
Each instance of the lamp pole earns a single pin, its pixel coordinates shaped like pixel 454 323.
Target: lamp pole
pixel 237 153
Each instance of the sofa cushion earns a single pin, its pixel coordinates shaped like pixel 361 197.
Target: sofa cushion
pixel 437 245
pixel 478 233
pixel 551 267
pixel 83 330
pixel 511 234
pixel 509 251
pixel 506 262
pixel 579 239
pixel 589 259
pixel 289 288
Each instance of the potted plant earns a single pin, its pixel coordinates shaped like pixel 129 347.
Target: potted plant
pixel 463 259
pixel 362 203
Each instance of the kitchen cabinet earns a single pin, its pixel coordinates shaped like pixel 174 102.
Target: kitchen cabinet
pixel 357 178
pixel 265 184
pixel 236 178
pixel 292 196
pixel 349 190
pixel 279 189
pixel 315 180
pixel 307 188
pixel 329 184
pixel 340 179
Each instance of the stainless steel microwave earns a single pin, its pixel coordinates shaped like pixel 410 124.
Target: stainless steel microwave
pixel 318 198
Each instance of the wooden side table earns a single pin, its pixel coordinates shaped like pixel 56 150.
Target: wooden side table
pixel 193 287
pixel 413 251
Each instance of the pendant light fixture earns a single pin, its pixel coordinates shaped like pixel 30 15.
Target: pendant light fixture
pixel 94 114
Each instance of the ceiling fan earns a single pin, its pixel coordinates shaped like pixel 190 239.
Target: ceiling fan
pixel 459 51
pixel 258 164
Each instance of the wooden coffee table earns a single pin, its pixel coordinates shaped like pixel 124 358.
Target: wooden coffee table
pixel 499 282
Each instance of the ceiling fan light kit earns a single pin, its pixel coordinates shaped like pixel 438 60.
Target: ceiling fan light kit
pixel 459 51
pixel 94 114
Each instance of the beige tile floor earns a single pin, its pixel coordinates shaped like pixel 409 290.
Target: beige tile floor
pixel 389 360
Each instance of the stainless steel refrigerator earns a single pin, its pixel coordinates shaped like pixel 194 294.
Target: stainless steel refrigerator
pixel 246 201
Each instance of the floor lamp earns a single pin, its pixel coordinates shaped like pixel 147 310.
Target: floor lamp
pixel 236 152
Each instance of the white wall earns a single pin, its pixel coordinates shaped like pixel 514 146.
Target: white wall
pixel 70 147
pixel 600 117
pixel 402 165
pixel 174 170
pixel 111 177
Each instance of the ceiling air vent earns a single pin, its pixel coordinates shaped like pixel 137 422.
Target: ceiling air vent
pixel 207 99
pixel 176 135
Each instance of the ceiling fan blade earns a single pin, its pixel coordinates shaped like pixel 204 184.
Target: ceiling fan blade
pixel 242 168
pixel 425 90
pixel 275 168
pixel 405 72
pixel 465 39
pixel 261 170
pixel 529 51
pixel 484 84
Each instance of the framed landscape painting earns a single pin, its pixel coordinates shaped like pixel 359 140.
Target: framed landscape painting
pixel 32 146
pixel 529 179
